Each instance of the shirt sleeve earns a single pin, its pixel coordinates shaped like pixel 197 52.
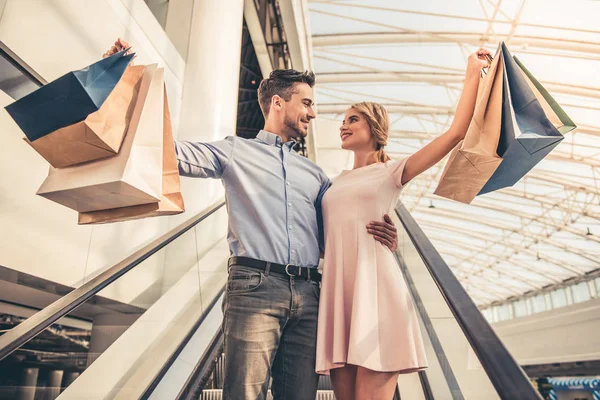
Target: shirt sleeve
pixel 324 186
pixel 204 160
pixel 396 168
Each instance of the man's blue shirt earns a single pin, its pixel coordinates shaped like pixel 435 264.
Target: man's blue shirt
pixel 273 195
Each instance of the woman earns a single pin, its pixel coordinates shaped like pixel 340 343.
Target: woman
pixel 368 330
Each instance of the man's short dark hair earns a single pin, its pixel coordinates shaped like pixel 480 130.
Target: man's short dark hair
pixel 281 82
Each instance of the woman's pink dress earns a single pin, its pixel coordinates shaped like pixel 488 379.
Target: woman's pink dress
pixel 366 315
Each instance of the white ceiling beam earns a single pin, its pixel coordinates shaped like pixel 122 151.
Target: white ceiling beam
pixel 465 273
pixel 437 78
pixel 397 137
pixel 383 59
pixel 540 219
pixel 401 109
pixel 367 77
pixel 488 205
pixel 552 181
pixel 490 28
pixel 392 108
pixel 515 22
pixel 495 224
pixel 506 256
pixel 536 238
pixel 507 21
pixel 403 11
pixel 474 39
pixel 464 278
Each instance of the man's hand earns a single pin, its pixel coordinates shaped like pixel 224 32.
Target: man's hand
pixel 384 232
pixel 119 45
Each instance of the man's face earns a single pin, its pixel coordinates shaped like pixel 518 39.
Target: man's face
pixel 299 110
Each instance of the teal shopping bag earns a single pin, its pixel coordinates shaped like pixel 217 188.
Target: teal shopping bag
pixel 70 98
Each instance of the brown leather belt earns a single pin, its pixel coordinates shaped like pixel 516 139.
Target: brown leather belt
pixel 310 274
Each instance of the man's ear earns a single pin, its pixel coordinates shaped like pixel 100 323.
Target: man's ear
pixel 276 102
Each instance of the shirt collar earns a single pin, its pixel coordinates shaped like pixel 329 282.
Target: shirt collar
pixel 273 139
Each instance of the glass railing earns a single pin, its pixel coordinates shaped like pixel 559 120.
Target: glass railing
pixel 466 358
pixel 113 334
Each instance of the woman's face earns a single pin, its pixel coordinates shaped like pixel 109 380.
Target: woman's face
pixel 355 132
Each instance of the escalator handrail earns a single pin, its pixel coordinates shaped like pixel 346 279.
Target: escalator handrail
pixel 41 320
pixel 165 368
pixel 508 378
pixel 21 65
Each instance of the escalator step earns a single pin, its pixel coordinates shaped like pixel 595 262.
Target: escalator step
pixel 217 394
pixel 325 383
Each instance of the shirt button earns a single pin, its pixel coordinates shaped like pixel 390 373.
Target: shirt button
pixel 290 204
pixel 290 227
pixel 288 183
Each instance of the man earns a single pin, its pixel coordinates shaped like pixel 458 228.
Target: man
pixel 275 236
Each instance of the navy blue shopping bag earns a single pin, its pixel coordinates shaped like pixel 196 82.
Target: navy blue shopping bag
pixel 70 98
pixel 527 134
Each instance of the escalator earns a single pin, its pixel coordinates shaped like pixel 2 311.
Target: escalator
pixel 167 343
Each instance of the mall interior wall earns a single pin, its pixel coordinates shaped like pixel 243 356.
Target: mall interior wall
pixel 199 50
pixel 560 335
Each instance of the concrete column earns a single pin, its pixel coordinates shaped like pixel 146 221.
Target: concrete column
pixel 53 386
pixel 208 113
pixel 211 83
pixel 28 384
pixel 159 8
pixel 69 378
pixel 106 329
pixel 179 19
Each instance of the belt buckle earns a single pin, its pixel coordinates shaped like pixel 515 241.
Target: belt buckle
pixel 286 270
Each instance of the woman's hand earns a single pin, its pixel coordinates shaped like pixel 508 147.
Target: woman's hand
pixel 477 61
pixel 433 152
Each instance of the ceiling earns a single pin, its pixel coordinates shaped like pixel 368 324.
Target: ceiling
pixel 411 57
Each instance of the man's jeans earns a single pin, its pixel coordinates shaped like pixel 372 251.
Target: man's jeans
pixel 270 327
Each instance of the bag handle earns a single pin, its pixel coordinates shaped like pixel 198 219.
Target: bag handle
pixel 483 70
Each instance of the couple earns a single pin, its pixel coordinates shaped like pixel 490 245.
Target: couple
pixel 284 213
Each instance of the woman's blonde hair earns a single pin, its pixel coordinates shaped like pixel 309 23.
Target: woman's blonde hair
pixel 379 124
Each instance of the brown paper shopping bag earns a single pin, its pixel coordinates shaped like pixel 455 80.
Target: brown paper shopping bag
pixel 134 175
pixel 101 134
pixel 474 160
pixel 171 200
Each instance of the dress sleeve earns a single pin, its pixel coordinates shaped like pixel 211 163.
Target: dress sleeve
pixel 396 168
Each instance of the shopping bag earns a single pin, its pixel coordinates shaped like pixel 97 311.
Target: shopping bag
pixel 100 134
pixel 535 133
pixel 70 98
pixel 474 159
pixel 553 110
pixel 134 175
pixel 171 200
